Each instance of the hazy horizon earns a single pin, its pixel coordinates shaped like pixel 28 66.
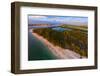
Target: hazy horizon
pixel 72 20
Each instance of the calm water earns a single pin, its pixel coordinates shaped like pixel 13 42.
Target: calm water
pixel 61 29
pixel 37 50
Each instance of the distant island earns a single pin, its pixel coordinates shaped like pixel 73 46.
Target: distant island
pixel 39 25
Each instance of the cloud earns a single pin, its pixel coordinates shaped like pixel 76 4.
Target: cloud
pixel 58 19
pixel 38 16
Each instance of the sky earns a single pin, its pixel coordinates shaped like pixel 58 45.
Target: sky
pixel 73 20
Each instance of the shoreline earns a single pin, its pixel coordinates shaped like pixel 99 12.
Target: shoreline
pixel 58 51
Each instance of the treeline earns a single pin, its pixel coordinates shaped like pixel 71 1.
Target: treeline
pixel 74 40
pixel 82 28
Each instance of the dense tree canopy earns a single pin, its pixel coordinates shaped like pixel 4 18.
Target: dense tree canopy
pixel 74 39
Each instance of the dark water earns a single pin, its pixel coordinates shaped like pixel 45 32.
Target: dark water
pixel 52 26
pixel 61 29
pixel 37 50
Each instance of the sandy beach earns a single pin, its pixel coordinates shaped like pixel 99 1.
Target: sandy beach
pixel 58 51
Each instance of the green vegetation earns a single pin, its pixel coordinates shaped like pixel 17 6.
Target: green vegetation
pixel 83 28
pixel 74 39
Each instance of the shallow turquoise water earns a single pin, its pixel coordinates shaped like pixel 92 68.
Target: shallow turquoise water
pixel 37 50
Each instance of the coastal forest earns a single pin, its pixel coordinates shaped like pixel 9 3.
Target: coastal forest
pixel 71 37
